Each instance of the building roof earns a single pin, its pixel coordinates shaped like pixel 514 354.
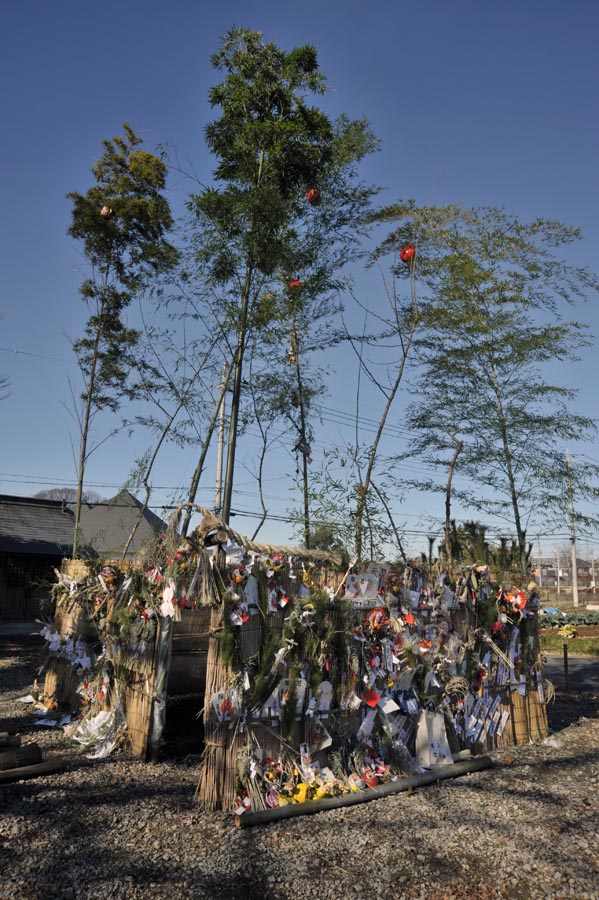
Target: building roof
pixel 41 527
pixel 106 526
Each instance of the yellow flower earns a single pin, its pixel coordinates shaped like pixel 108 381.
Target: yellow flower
pixel 299 794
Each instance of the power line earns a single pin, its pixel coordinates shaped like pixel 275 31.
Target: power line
pixel 38 355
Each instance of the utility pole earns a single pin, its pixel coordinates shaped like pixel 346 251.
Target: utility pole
pixel 557 569
pixel 540 561
pixel 593 569
pixel 431 541
pixel 572 534
pixel 218 499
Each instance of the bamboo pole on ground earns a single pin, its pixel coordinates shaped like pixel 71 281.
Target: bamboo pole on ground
pixel 267 816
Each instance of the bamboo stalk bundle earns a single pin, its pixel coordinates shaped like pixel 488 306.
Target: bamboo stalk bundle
pixel 520 718
pixel 214 763
pixel 137 702
pixel 537 717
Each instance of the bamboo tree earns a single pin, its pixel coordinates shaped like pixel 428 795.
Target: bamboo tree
pixel 501 287
pixel 271 148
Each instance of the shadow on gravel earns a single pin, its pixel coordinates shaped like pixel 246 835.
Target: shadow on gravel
pixel 524 779
pixel 89 846
pixel 568 707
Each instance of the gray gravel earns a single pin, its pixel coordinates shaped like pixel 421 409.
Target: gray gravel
pixel 117 828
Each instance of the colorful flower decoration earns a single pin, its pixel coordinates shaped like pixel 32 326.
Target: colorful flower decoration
pixel 239 574
pixel 314 197
pixel 109 575
pixel 394 583
pixel 377 618
pixel 276 562
pixel 295 283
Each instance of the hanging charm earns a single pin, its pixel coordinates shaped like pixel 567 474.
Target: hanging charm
pixel 313 197
pixel 107 213
pixel 407 252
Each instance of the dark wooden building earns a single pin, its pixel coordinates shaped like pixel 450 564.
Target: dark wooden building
pixel 35 535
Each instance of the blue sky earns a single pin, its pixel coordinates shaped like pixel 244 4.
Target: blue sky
pixel 473 102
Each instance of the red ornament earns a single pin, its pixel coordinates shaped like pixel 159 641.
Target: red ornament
pixel 107 213
pixel 370 778
pixel 407 252
pixel 295 283
pixel 314 197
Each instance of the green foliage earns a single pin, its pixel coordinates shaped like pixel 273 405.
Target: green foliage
pixel 470 546
pixel 126 248
pixel 486 611
pixel 577 646
pixel 124 252
pixel 334 496
pixel 267 675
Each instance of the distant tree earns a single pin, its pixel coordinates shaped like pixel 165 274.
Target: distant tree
pixel 472 546
pixel 122 221
pixel 68 494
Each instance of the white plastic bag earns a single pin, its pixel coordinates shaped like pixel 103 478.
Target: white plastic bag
pixel 432 746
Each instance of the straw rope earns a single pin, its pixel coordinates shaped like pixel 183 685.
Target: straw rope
pixel 211 522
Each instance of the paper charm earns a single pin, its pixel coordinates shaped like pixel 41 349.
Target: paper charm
pixel 250 592
pixel 387 705
pixel 273 600
pixel 367 725
pixel 362 589
pixel 167 607
pixel 371 697
pixel 320 738
pixel 239 614
pixel 242 804
pixel 272 707
pixel 325 695
pixel 272 798
pixel 225 704
pixel 404 682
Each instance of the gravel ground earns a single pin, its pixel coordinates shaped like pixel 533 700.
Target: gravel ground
pixel 117 829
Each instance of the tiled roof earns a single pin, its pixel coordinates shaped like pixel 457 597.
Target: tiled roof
pixel 106 526
pixel 28 525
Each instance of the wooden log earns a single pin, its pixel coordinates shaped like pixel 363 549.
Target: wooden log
pixel 9 740
pixel 267 816
pixel 50 767
pixel 29 754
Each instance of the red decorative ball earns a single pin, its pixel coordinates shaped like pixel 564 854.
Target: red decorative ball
pixel 407 252
pixel 295 283
pixel 314 197
pixel 107 213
